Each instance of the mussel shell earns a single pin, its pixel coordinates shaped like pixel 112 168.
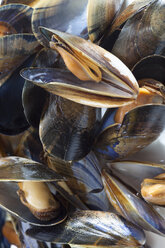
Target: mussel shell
pixel 34 97
pixel 30 146
pixel 12 118
pixel 133 170
pixel 14 50
pixel 97 201
pixel 132 207
pixel 19 169
pixel 24 239
pixel 65 84
pixel 101 66
pixel 67 194
pixel 89 192
pixel 31 3
pixel 76 173
pixel 141 126
pixel 91 229
pixel 142 35
pixel 152 66
pixel 67 127
pixel 10 202
pixel 127 13
pixel 100 16
pixel 60 15
pixel 18 16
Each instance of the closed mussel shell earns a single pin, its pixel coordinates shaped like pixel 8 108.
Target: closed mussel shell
pixel 92 229
pixel 142 35
pixel 67 127
pixel 140 127
pixel 131 206
pixel 59 14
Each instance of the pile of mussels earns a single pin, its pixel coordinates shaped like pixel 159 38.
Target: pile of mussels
pixel 62 174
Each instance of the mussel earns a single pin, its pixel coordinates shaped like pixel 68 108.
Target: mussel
pixel 100 16
pixel 66 16
pixel 33 191
pixel 91 228
pixel 142 34
pixel 17 42
pixel 130 128
pixel 52 182
pixel 103 80
pixel 130 206
pixel 38 198
pixel 152 189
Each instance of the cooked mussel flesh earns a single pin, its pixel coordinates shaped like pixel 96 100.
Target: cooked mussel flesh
pixel 38 198
pixel 153 189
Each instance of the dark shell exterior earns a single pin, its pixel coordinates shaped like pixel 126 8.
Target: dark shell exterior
pixel 120 140
pixel 76 127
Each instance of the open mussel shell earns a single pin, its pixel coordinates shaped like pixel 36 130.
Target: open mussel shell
pixel 65 84
pixel 135 171
pixel 90 62
pixel 10 202
pixel 91 229
pixel 142 35
pixel 100 16
pixel 21 169
pixel 115 85
pixel 141 126
pixel 131 206
pixel 60 15
pixel 76 127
